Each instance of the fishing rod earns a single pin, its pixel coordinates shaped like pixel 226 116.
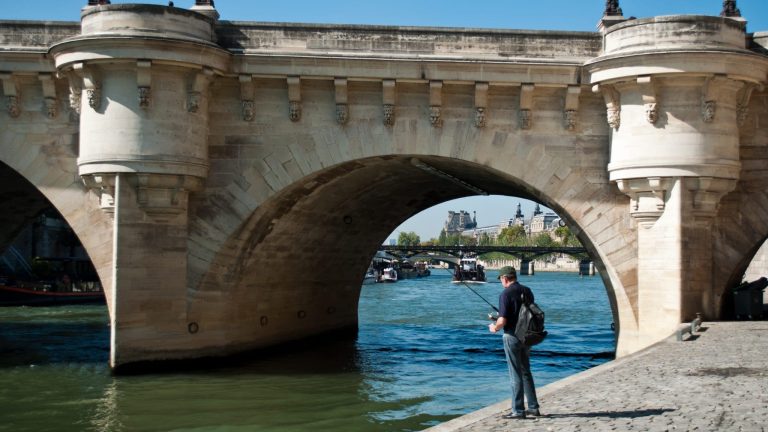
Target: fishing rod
pixel 476 293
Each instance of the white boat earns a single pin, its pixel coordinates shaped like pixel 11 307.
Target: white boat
pixel 469 271
pixel 389 274
pixel 370 277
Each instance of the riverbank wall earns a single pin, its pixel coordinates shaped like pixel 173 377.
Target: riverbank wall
pixel 557 265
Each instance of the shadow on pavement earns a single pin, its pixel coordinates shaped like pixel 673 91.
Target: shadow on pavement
pixel 614 414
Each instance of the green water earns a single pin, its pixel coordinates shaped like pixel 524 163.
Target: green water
pixel 415 362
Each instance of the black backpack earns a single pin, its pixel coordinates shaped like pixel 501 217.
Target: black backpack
pixel 530 322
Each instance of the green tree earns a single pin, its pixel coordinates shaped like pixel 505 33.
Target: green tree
pixel 443 238
pixel 543 239
pixel 566 237
pixel 485 240
pixel 408 239
pixel 512 236
pixel 563 234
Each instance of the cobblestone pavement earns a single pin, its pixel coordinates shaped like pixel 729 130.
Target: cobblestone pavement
pixel 717 381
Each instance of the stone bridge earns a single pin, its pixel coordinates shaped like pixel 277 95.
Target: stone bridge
pixel 232 180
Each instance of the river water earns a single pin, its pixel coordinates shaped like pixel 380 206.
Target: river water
pixel 423 355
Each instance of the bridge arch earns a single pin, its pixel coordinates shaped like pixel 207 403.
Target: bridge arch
pixel 38 172
pixel 304 250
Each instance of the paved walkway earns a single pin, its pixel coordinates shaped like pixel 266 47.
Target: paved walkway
pixel 717 381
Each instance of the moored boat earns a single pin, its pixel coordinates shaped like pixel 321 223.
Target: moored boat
pixel 20 296
pixel 370 277
pixel 389 274
pixel 469 271
pixel 409 270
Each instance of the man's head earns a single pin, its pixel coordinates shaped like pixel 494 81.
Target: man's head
pixel 507 275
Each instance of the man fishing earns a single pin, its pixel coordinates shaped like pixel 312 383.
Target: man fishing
pixel 517 354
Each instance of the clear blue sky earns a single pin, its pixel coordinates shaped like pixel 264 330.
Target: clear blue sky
pixel 576 15
pixel 581 15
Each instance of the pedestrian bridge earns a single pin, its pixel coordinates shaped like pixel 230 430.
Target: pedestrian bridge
pixel 231 181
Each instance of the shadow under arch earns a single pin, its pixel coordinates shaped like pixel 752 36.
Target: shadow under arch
pixel 302 254
pixel 727 306
pixel 23 208
pixel 22 202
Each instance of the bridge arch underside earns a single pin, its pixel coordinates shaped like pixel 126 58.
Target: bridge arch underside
pixel 21 203
pixel 294 268
pixel 741 224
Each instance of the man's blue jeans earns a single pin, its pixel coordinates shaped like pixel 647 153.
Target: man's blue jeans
pixel 518 361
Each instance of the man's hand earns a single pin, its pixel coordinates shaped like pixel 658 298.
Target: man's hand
pixel 499 324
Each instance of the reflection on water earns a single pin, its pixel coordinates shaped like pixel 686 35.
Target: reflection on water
pixel 422 356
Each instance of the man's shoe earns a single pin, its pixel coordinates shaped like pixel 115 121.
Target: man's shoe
pixel 533 413
pixel 513 416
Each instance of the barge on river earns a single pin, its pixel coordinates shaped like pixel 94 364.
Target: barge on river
pixel 469 271
pixel 21 296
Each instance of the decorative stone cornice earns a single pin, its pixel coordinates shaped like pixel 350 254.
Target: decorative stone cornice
pixel 708 110
pixel 12 94
pixel 714 88
pixel 571 111
pixel 75 92
pixel 481 103
pixel 161 196
pixel 246 97
pixel 50 102
pixel 342 109
pixel 647 88
pixel 388 93
pixel 525 115
pixel 647 197
pixel 742 105
pixel 94 96
pixel 612 104
pixel 294 98
pixel 198 89
pixel 707 192
pixel 104 187
pixel 91 83
pixel 435 103
pixel 144 81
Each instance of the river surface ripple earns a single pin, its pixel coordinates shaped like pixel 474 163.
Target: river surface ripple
pixel 423 355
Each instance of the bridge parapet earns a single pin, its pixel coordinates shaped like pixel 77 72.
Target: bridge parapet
pixel 459 44
pixel 675 33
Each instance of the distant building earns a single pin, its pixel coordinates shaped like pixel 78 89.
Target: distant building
pixel 458 222
pixel 541 221
pixel 461 223
pixel 392 242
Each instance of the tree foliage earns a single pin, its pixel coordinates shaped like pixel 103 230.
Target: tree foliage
pixel 409 238
pixel 513 236
pixel 544 239
pixel 566 237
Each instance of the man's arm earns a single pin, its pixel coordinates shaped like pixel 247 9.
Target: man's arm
pixel 498 325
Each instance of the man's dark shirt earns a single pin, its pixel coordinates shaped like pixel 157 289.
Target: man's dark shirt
pixel 509 304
